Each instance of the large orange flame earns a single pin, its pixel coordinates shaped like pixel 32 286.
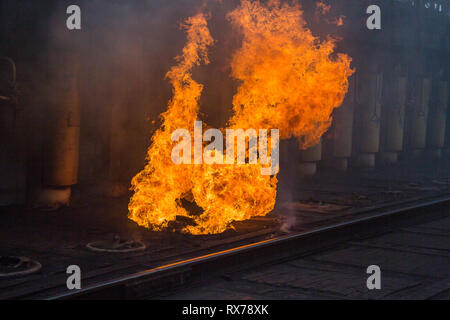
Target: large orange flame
pixel 158 188
pixel 289 80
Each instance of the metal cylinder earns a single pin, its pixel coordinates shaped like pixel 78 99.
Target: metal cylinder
pixel 308 160
pixel 417 116
pixel 437 119
pixel 62 114
pixel 446 149
pixel 392 120
pixel 62 145
pixel 367 114
pixel 337 147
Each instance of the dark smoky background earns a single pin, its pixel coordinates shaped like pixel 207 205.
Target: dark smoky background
pixel 125 50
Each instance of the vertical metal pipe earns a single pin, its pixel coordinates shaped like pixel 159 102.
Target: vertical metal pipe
pixel 61 146
pixel 337 146
pixel 62 119
pixel 446 150
pixel 392 119
pixel 417 116
pixel 367 120
pixel 437 120
pixel 61 168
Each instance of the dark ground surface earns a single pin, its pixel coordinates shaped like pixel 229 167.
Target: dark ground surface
pixel 58 239
pixel 414 263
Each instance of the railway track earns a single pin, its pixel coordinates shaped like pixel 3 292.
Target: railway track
pixel 245 257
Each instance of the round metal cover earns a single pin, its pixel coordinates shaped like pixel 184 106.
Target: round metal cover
pixel 11 266
pixel 116 245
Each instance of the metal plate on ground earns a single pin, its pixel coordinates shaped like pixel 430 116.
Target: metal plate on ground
pixel 116 245
pixel 11 266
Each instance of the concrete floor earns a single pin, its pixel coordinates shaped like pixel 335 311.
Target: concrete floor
pixel 414 264
pixel 58 239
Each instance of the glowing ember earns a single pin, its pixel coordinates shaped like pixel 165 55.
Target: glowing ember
pixel 288 81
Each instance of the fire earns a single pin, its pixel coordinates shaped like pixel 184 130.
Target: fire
pixel 339 21
pixel 289 80
pixel 323 8
pixel 159 187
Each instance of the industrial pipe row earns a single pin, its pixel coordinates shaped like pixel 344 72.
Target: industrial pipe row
pixel 384 117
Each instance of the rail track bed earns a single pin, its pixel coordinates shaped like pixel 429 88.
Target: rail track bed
pixel 413 264
pixel 177 274
pixel 327 211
